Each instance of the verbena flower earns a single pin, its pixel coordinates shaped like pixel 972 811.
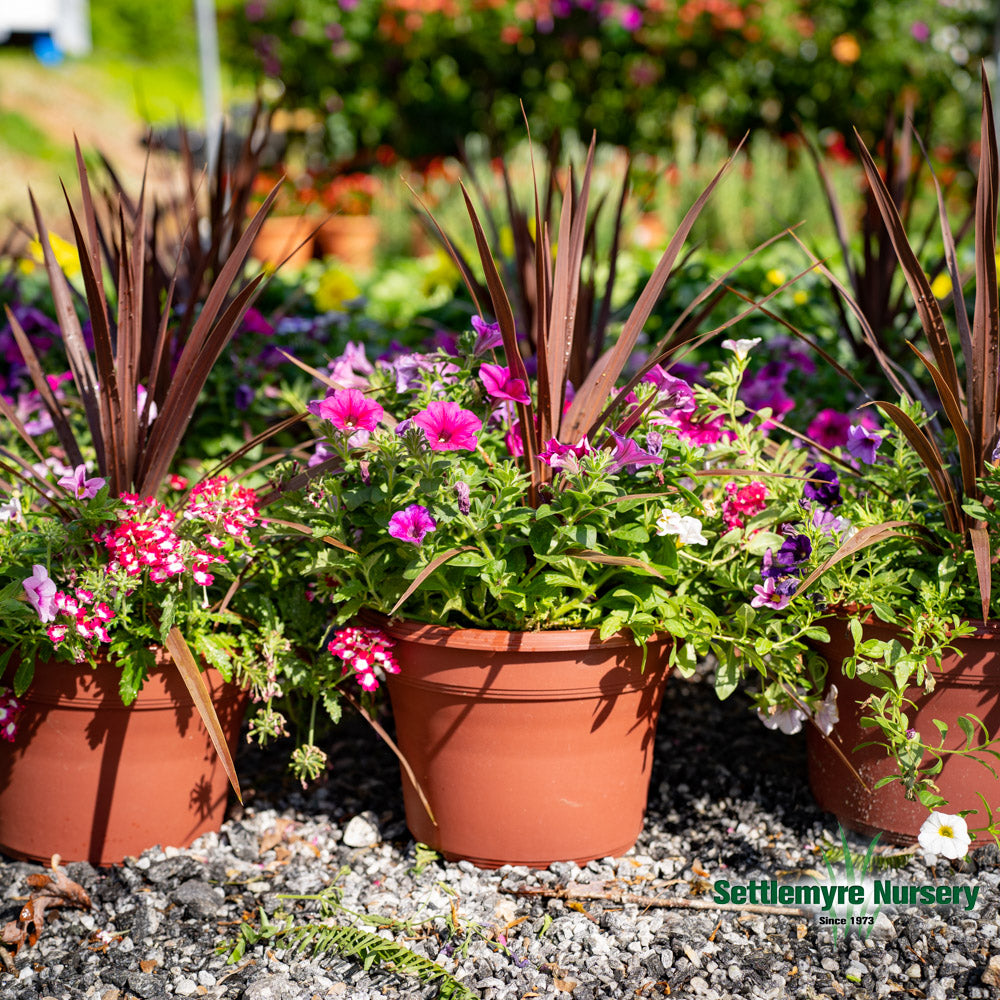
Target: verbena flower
pixel 862 444
pixel 825 489
pixel 348 410
pixel 79 485
pixel 412 524
pixel 448 427
pixel 743 501
pixel 365 651
pixel 10 709
pixel 945 835
pixel 500 385
pixel 40 589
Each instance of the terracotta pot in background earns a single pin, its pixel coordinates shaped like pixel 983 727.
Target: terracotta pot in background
pixel 282 235
pixel 92 780
pixel 351 239
pixel 532 747
pixel 969 683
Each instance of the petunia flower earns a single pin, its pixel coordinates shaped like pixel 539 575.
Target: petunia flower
pixel 945 835
pixel 823 487
pixel 564 456
pixel 629 455
pixel 412 524
pixel 448 427
pixel 827 715
pixel 829 429
pixel 77 483
pixel 675 393
pixel 862 444
pixel 348 410
pixel 488 335
pixel 687 529
pixel 40 589
pixel 501 385
pixel 789 719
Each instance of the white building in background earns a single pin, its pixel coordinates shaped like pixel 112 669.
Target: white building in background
pixel 67 22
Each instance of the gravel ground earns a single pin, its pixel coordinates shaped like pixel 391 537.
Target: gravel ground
pixel 728 799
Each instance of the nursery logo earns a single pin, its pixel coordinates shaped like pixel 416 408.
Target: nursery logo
pixel 848 902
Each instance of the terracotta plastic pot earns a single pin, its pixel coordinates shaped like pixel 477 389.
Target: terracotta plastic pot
pixel 350 238
pixel 532 747
pixel 969 683
pixel 282 235
pixel 92 780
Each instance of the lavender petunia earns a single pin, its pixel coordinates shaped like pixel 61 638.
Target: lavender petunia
pixel 628 455
pixel 488 335
pixel 862 444
pixel 40 589
pixel 77 483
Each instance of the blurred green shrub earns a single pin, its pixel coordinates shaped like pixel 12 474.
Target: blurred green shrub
pixel 420 74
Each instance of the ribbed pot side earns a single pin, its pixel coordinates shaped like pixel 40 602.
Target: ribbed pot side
pixel 92 780
pixel 532 747
pixel 968 683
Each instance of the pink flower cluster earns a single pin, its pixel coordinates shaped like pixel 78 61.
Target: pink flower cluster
pixel 10 709
pixel 366 651
pixel 88 619
pixel 742 501
pixel 147 540
pixel 234 512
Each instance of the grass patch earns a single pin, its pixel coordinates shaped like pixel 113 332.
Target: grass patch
pixel 20 135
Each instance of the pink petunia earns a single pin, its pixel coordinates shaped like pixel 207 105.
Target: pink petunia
pixel 40 589
pixel 412 524
pixel 348 410
pixel 500 385
pixel 829 429
pixel 448 427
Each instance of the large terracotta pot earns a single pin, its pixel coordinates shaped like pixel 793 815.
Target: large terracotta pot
pixel 92 780
pixel 285 236
pixel 968 683
pixel 532 747
pixel 350 238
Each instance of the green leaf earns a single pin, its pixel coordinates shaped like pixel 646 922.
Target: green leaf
pixel 759 543
pixel 727 674
pixel 25 671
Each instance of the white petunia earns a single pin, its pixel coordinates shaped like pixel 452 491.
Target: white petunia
pixel 827 715
pixel 944 835
pixel 789 720
pixel 741 348
pixel 10 511
pixel 687 529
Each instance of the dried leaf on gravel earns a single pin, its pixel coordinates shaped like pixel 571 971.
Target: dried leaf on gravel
pixel 48 890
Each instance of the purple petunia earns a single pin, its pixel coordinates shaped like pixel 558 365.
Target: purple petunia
pixel 675 393
pixel 488 335
pixel 823 487
pixel 628 455
pixel 412 524
pixel 862 444
pixel 77 483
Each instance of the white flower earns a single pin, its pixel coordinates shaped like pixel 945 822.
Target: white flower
pixel 827 715
pixel 741 348
pixel 789 720
pixel 944 835
pixel 10 511
pixel 687 529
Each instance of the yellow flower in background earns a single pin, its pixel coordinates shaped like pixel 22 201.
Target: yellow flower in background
pixel 800 298
pixel 336 286
pixel 65 253
pixel 441 274
pixel 941 286
pixel 507 241
pixel 775 277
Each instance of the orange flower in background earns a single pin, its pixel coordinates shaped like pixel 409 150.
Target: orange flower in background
pixel 845 49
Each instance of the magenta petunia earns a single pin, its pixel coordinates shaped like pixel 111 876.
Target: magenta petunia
pixel 448 427
pixel 830 428
pixel 348 410
pixel 412 524
pixel 628 455
pixel 500 385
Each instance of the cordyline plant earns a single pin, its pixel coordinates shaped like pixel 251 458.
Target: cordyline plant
pixel 138 388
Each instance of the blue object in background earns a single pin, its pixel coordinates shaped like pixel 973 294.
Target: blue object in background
pixel 46 51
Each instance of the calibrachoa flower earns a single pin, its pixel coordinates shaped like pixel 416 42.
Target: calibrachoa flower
pixel 79 485
pixel 788 719
pixel 862 444
pixel 829 429
pixel 768 596
pixel 944 835
pixel 40 589
pixel 827 715
pixel 366 651
pixel 687 529
pixel 412 524
pixel 500 385
pixel 824 487
pixel 348 410
pixel 448 427
pixel 742 501
pixel 10 709
pixel 741 348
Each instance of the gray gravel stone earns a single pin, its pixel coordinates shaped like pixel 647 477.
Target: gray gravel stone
pixel 198 898
pixel 362 831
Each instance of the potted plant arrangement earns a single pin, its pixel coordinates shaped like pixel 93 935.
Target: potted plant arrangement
pixel 523 557
pixel 870 617
pixel 103 585
pixel 288 234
